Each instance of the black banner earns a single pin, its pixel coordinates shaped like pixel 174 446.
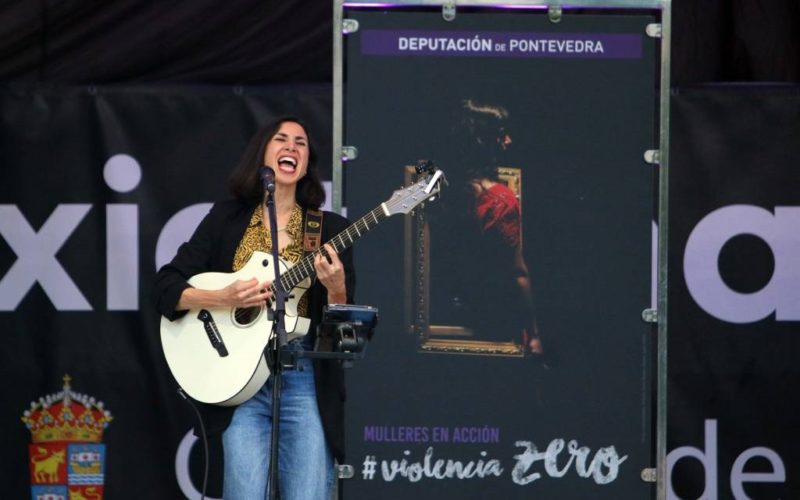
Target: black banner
pixel 93 177
pixel 99 186
pixel 734 296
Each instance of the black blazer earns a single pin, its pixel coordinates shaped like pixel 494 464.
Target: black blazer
pixel 211 249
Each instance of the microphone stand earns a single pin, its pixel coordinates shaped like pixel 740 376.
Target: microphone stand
pixel 279 341
pixel 275 349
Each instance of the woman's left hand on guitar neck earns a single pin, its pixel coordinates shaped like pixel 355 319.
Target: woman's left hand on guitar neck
pixel 330 272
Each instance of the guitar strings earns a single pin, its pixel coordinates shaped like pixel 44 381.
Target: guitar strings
pixel 305 268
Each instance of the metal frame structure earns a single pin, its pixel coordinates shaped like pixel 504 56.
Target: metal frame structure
pixel 660 157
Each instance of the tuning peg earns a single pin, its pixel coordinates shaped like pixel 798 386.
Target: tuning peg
pixel 424 166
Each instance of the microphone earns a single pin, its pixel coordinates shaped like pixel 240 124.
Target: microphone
pixel 267 176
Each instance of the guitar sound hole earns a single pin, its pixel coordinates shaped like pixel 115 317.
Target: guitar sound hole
pixel 244 316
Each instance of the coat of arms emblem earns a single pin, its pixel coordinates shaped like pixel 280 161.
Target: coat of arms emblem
pixel 67 457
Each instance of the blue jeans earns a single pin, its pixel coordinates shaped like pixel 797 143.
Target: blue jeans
pixel 305 463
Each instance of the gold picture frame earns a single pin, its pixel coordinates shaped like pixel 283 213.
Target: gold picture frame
pixel 440 338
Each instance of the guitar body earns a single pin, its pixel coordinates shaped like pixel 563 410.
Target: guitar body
pixel 219 359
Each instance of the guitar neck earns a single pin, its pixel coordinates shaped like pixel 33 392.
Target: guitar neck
pixel 340 242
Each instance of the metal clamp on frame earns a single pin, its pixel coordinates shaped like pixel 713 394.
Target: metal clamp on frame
pixel 349 26
pixel 449 10
pixel 349 153
pixel 554 13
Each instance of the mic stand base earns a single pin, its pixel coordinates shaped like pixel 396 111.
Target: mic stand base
pixel 276 378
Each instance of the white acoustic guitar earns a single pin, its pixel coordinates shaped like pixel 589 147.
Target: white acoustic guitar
pixel 217 354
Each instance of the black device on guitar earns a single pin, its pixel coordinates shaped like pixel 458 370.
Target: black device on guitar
pixel 346 328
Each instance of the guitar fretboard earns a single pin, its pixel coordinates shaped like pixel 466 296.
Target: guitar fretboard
pixel 341 241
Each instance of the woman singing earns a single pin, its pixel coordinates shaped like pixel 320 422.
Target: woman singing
pixel 311 417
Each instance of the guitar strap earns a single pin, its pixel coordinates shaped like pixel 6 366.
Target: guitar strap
pixel 312 231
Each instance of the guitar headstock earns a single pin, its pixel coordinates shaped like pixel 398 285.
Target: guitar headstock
pixel 426 187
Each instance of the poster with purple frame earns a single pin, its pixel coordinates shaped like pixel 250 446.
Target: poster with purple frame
pixel 511 359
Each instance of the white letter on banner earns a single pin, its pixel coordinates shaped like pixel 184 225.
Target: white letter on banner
pixel 738 476
pixel 36 259
pixel 707 457
pixel 781 232
pixel 179 228
pixel 122 173
pixel 182 468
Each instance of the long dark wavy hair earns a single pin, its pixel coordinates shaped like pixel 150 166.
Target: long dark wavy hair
pixel 244 182
pixel 476 138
